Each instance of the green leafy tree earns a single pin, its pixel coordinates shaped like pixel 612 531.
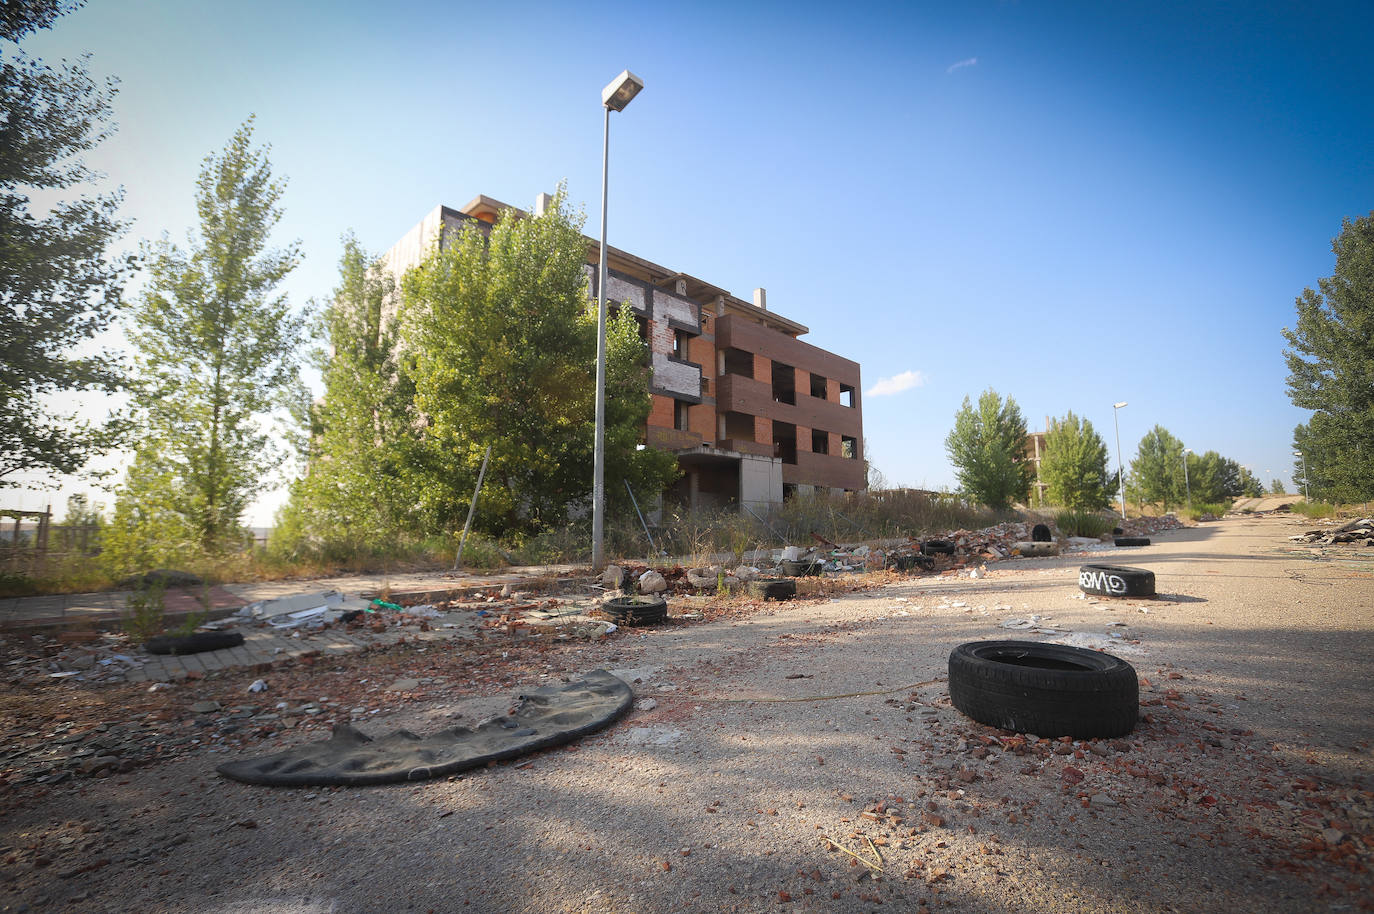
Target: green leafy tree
pixel 1074 464
pixel 1331 366
pixel 1213 478
pixel 217 350
pixel 1308 470
pixel 501 343
pixel 988 449
pixel 1157 470
pixel 1276 488
pixel 1250 486
pixel 59 286
pixel 360 483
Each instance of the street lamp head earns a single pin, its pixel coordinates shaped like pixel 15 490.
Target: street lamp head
pixel 621 90
pixel 1297 453
pixel 1118 405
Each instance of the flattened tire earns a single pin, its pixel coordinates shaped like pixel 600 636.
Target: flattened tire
pixel 1046 689
pixel 1116 581
pixel 636 610
pixel 1131 540
pixel 937 547
pixel 773 589
pixel 193 644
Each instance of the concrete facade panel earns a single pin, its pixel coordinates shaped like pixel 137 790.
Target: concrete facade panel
pixel 675 377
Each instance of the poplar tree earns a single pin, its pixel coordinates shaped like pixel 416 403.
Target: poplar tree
pixel 217 352
pixel 988 449
pixel 1074 464
pixel 1331 369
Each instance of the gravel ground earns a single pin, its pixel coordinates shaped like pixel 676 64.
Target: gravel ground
pixel 799 756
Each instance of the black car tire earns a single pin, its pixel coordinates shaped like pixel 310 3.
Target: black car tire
pixel 1047 689
pixel 193 644
pixel 1116 581
pixel 801 569
pixel 1040 533
pixel 1131 540
pixel 937 547
pixel 773 589
pixel 635 610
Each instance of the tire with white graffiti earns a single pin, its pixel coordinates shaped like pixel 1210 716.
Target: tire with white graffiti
pixel 1047 689
pixel 1116 581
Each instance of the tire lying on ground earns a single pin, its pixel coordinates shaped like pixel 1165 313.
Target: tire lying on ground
pixel 801 569
pixel 193 644
pixel 1116 581
pixel 1046 689
pixel 1131 540
pixel 773 589
pixel 937 547
pixel 635 610
pixel 1040 533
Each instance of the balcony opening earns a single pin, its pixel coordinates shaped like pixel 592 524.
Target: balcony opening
pixel 739 426
pixel 847 395
pixel 643 324
pixel 820 441
pixel 849 447
pixel 818 387
pixel 739 362
pixel 784 384
pixel 680 409
pixel 785 441
pixel 680 344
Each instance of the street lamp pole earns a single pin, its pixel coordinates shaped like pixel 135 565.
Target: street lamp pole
pixel 1305 493
pixel 1186 486
pixel 614 97
pixel 1120 470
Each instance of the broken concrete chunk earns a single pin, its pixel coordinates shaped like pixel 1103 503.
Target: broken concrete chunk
pixel 652 582
pixel 613 576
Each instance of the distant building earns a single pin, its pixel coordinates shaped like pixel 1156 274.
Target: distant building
pixel 753 413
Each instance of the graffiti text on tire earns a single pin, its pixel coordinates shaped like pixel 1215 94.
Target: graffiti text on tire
pixel 1102 581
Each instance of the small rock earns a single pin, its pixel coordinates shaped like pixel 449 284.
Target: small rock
pixel 205 707
pixel 652 582
pixel 613 576
pixel 1101 800
pixel 645 704
pixel 403 685
pixel 1333 835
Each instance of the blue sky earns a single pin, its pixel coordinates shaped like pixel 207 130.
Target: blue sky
pixel 1073 203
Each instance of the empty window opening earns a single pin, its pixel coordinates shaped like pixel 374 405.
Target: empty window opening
pixel 784 384
pixel 739 426
pixel 680 344
pixel 820 441
pixel 643 325
pixel 739 362
pixel 706 387
pixel 785 441
pixel 849 447
pixel 680 408
pixel 847 395
pixel 789 491
pixel 818 386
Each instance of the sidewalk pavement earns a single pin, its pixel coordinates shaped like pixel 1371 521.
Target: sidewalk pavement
pixel 105 610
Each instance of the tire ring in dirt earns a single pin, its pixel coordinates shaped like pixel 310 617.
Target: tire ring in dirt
pixel 1047 689
pixel 773 589
pixel 193 644
pixel 1131 540
pixel 937 547
pixel 1116 581
pixel 635 610
pixel 801 569
pixel 1040 533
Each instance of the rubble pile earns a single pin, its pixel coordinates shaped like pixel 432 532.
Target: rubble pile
pixel 1357 532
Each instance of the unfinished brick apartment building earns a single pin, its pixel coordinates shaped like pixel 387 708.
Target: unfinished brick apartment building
pixel 753 413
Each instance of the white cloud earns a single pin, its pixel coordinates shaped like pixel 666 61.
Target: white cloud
pixel 971 62
pixel 896 384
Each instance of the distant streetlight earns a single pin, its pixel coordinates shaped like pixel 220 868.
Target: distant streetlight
pixel 1186 486
pixel 1120 470
pixel 614 97
pixel 1305 495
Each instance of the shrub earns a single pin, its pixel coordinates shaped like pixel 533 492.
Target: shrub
pixel 1083 523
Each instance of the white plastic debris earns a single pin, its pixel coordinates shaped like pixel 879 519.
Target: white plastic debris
pixel 259 685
